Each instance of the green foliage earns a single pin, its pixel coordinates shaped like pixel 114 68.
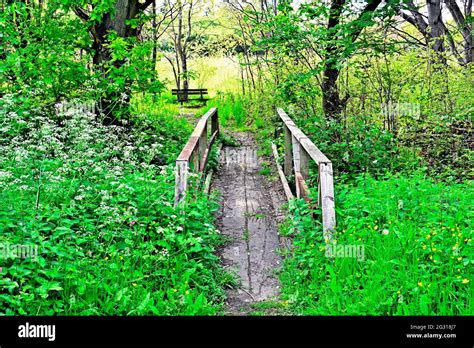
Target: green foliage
pixel 430 123
pixel 229 140
pixel 266 169
pixel 445 143
pixel 38 59
pixel 231 109
pixel 213 160
pixel 363 149
pixel 98 203
pixel 418 259
pixel 159 125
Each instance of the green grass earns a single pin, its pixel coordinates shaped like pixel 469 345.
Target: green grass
pixel 417 238
pixel 214 73
pixel 232 113
pixel 266 170
pixel 98 201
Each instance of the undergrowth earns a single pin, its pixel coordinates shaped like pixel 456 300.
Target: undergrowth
pixel 415 255
pixel 98 203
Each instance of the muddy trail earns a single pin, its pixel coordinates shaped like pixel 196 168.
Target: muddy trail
pixel 249 214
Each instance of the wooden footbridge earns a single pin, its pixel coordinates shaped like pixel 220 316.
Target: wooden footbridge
pixel 251 204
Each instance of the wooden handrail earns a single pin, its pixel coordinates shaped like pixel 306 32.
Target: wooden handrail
pixel 196 151
pixel 307 144
pixel 299 149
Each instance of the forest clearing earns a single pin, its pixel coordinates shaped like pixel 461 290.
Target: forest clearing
pixel 270 157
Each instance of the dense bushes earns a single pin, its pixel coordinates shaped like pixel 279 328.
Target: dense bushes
pixel 446 144
pixel 363 149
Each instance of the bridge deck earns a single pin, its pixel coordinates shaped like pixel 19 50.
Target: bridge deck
pixel 249 214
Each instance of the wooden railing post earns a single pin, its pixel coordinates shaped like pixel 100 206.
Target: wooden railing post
pixel 327 199
pixel 215 123
pixel 196 160
pixel 304 163
pixel 202 146
pixel 303 175
pixel 181 181
pixel 296 154
pixel 288 164
pixel 297 163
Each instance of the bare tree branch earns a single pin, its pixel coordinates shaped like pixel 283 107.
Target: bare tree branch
pixel 144 6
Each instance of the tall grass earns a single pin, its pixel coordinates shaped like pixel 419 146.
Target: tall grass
pixel 231 108
pixel 214 73
pixel 418 254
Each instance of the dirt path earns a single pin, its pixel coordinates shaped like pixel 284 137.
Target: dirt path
pixel 249 214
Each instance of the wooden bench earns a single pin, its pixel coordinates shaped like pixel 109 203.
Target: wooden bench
pixel 183 94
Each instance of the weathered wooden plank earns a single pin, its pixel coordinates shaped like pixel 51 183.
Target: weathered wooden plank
pixel 304 163
pixel 286 187
pixel 302 188
pixel 200 126
pixel 327 199
pixel 194 138
pixel 202 148
pixel 205 158
pixel 288 164
pixel 195 160
pixel 196 151
pixel 203 122
pixel 305 142
pixel 188 149
pixel 181 181
pixel 285 118
pixel 215 122
pixel 313 151
pixel 252 250
pixel 296 154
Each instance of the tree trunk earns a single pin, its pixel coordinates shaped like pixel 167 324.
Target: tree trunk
pixel 113 105
pixel 468 48
pixel 184 63
pixel 154 53
pixel 464 24
pixel 437 30
pixel 332 104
